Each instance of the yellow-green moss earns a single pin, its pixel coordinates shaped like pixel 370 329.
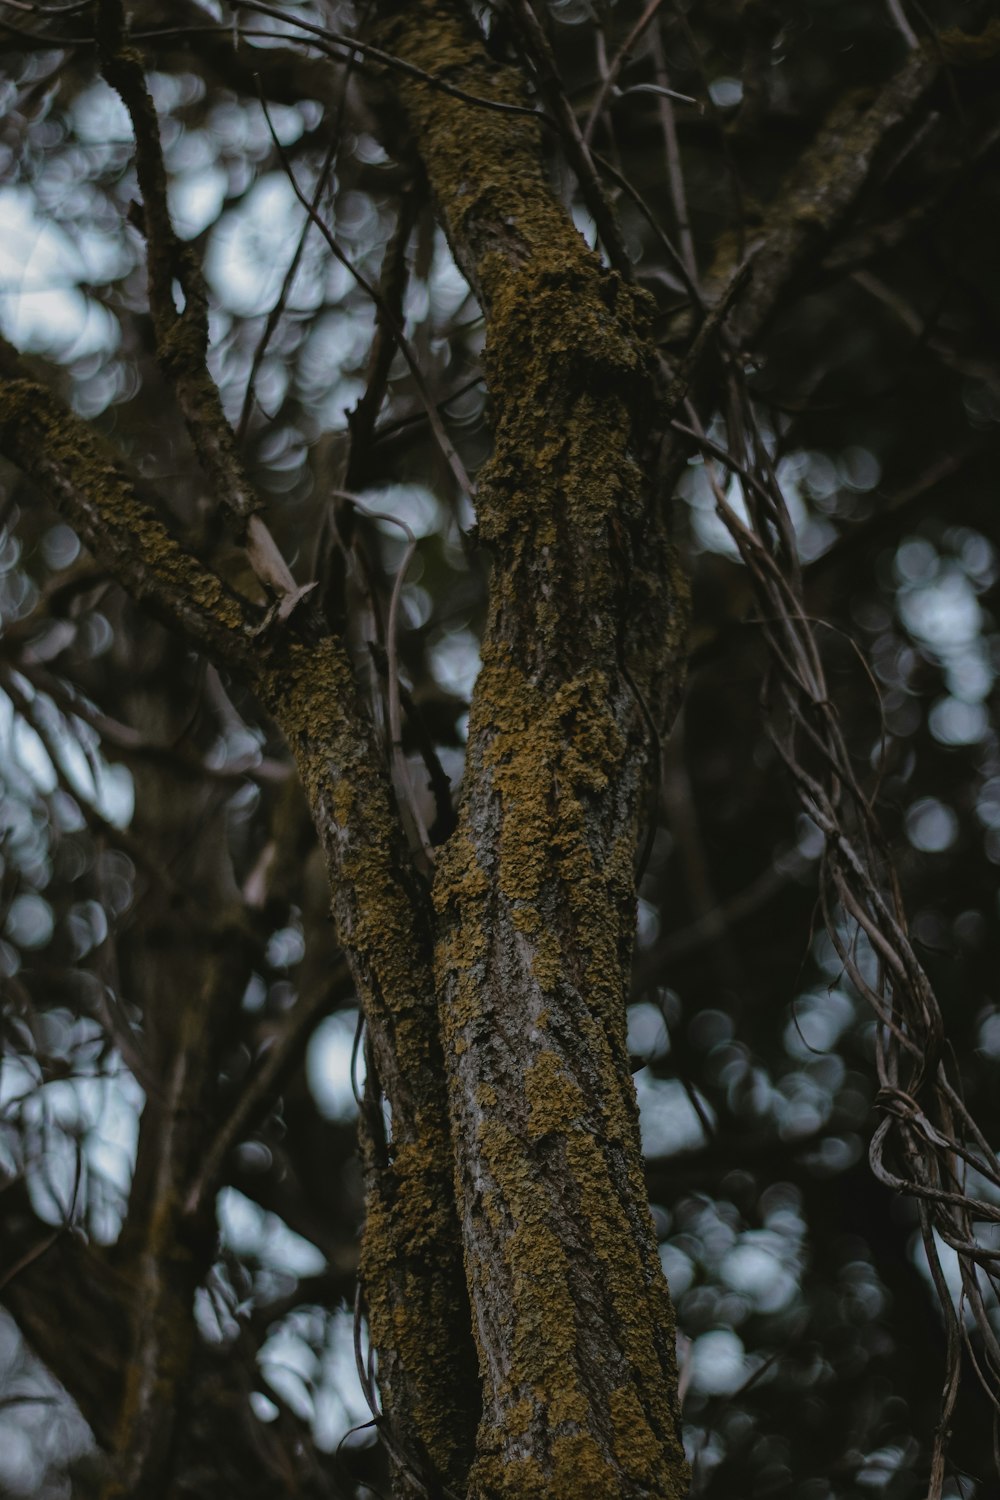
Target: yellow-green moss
pixel 86 480
pixel 535 893
pixel 636 1445
pixel 962 49
pixel 555 1102
pixel 411 1258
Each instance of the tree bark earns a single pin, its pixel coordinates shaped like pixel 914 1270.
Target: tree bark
pixel 535 892
pixel 411 1267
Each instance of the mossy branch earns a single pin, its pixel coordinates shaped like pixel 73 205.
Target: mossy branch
pixel 412 1255
pixel 182 332
pixel 87 481
pixel 831 174
pixel 411 1265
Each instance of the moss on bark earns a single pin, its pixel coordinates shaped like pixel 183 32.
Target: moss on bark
pixel 535 891
pixel 411 1266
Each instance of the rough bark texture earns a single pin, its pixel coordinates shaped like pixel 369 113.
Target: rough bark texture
pixel 411 1264
pixel 87 480
pixel 535 893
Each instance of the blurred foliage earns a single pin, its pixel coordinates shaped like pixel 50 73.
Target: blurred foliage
pixel 143 795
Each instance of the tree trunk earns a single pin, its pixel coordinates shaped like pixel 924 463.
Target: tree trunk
pixel 535 891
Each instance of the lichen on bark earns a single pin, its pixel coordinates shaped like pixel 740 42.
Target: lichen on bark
pixel 411 1267
pixel 87 480
pixel 535 892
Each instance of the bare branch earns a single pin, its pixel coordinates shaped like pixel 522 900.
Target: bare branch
pixel 274 316
pixel 898 17
pixel 392 661
pixel 675 171
pixel 400 65
pixel 926 1121
pixel 619 60
pixel 260 1090
pixel 433 415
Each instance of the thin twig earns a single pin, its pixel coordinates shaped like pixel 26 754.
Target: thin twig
pixel 392 655
pixel 898 17
pixel 277 311
pixel 352 44
pixel 182 336
pixel 675 170
pixel 274 316
pixel 406 349
pixel 261 1088
pixel 925 1118
pixel 732 171
pixel 619 60
pixel 578 154
pixel 392 286
pixel 670 250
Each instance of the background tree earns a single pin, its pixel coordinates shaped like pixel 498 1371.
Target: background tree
pixel 368 363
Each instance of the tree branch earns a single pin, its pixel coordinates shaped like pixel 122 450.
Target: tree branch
pixel 411 1262
pixel 537 49
pixel 87 481
pixel 413 1255
pixel 182 334
pixel 831 174
pixel 166 1249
